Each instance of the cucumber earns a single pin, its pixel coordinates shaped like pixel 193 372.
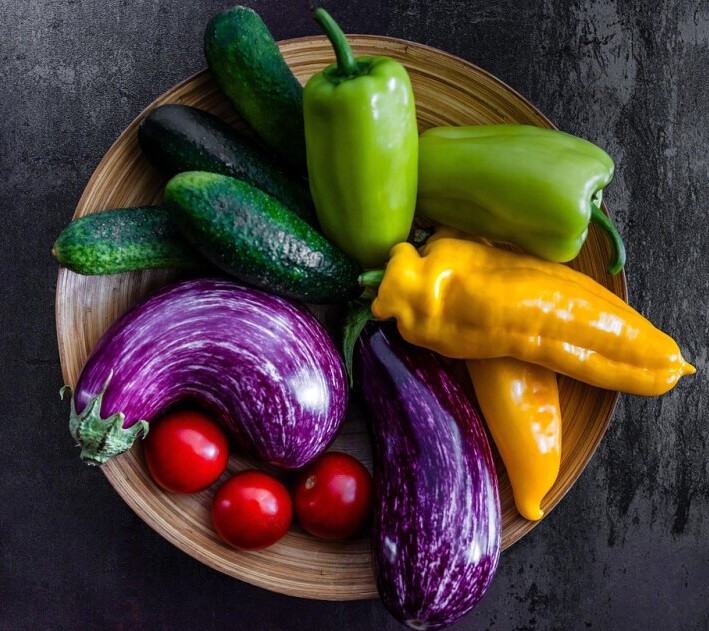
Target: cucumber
pixel 248 67
pixel 256 239
pixel 125 239
pixel 178 138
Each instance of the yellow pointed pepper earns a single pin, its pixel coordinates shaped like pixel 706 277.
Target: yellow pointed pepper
pixel 467 300
pixel 520 403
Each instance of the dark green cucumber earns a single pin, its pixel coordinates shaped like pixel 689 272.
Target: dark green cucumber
pixel 256 239
pixel 178 138
pixel 125 239
pixel 250 70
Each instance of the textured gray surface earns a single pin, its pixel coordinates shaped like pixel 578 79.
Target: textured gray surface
pixel 628 548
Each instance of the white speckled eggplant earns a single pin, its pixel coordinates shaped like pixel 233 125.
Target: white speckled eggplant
pixel 262 365
pixel 436 539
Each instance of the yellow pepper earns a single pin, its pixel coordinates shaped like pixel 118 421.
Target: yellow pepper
pixel 468 300
pixel 520 403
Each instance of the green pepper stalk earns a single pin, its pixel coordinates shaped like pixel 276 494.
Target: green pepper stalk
pixel 536 188
pixel 362 148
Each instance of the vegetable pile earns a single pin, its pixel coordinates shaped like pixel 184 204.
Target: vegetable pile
pixel 231 359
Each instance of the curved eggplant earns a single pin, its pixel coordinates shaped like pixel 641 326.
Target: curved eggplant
pixel 436 539
pixel 263 366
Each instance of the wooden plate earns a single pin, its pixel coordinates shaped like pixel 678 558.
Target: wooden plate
pixel 448 91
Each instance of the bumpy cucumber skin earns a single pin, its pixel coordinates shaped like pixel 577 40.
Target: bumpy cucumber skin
pixel 125 239
pixel 178 138
pixel 250 70
pixel 256 239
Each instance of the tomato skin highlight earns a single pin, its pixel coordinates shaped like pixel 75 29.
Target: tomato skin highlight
pixel 186 451
pixel 252 510
pixel 333 496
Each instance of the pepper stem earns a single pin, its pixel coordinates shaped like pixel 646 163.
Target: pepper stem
pixel 617 246
pixel 346 62
pixel 372 278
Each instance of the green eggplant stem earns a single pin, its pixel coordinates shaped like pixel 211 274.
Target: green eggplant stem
pixel 600 219
pixel 372 278
pixel 347 65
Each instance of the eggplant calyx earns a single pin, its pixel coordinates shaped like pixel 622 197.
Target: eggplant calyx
pixel 359 312
pixel 100 439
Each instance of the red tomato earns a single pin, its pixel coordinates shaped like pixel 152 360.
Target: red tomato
pixel 333 497
pixel 252 510
pixel 185 451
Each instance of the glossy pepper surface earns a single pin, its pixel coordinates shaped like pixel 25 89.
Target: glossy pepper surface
pixel 362 150
pixel 520 404
pixel 536 188
pixel 467 300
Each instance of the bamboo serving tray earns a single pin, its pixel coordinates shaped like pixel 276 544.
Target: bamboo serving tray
pixel 449 91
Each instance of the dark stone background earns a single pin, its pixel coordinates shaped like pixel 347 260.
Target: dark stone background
pixel 628 547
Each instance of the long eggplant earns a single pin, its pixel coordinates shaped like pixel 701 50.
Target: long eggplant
pixel 436 535
pixel 262 365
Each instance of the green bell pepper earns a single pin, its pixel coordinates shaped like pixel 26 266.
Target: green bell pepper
pixel 361 141
pixel 535 188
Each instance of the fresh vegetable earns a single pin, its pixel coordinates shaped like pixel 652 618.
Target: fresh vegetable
pixel 248 66
pixel 186 451
pixel 251 510
pixel 256 239
pixel 125 239
pixel 520 403
pixel 262 366
pixel 333 496
pixel 362 147
pixel 436 536
pixel 468 300
pixel 537 188
pixel 177 138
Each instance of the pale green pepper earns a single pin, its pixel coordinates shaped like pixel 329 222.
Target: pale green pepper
pixel 361 142
pixel 537 188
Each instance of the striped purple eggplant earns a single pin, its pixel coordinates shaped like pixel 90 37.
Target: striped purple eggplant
pixel 262 365
pixel 436 539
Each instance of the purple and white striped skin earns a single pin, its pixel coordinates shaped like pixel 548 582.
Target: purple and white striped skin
pixel 262 365
pixel 436 536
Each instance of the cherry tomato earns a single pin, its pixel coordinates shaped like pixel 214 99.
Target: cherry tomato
pixel 333 496
pixel 252 510
pixel 185 451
